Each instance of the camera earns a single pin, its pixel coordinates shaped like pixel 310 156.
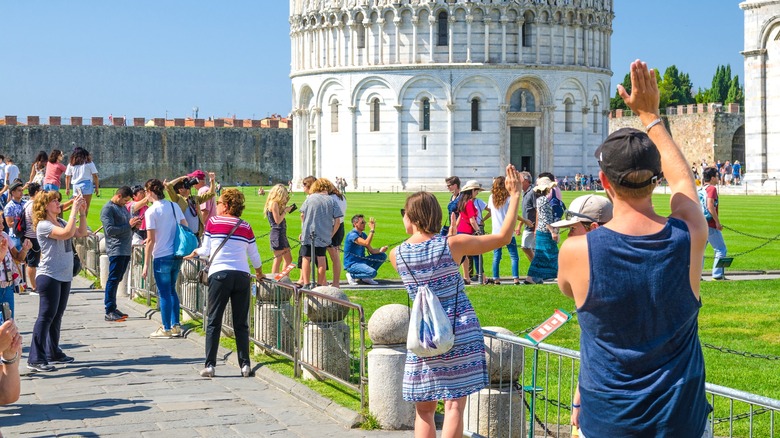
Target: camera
pixel 190 182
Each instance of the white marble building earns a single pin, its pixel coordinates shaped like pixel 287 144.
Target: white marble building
pixel 762 89
pixel 403 93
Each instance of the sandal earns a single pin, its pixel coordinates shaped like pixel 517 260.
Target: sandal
pixel 517 282
pixel 467 281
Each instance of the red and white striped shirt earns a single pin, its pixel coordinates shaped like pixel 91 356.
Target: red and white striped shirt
pixel 233 256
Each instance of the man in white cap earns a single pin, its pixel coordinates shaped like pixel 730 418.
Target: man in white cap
pixel 584 214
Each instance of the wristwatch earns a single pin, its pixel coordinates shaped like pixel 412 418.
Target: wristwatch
pixel 11 361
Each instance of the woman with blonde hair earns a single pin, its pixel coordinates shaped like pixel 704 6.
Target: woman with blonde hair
pixel 54 275
pixel 276 211
pixel 429 259
pixel 498 206
pixel 338 238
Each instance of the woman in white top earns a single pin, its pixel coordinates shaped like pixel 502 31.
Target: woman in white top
pixel 498 204
pixel 229 276
pixel 38 168
pixel 161 218
pixel 82 173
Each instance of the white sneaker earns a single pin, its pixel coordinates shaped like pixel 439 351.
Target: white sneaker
pixel 370 281
pixel 161 333
pixel 246 371
pixel 207 372
pixel 176 331
pixel 350 280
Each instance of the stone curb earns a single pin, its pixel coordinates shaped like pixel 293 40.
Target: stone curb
pixel 342 415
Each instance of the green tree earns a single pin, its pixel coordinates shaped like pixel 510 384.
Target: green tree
pixel 736 93
pixel 675 88
pixel 720 84
pixel 617 101
pixel 702 96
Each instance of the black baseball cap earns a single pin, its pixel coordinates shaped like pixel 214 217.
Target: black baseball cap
pixel 628 150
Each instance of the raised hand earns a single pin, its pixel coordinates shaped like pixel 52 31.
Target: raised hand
pixel 645 97
pixel 371 223
pixel 513 181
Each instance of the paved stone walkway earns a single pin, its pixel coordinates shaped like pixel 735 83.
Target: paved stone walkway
pixel 124 384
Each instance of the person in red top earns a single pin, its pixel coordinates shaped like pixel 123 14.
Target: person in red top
pixel 467 218
pixel 54 171
pixel 715 237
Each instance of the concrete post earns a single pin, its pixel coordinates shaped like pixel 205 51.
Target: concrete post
pixel 387 329
pixel 274 318
pixel 104 262
pixel 326 336
pixel 498 410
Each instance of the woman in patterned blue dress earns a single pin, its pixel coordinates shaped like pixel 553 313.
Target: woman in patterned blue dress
pixel 428 258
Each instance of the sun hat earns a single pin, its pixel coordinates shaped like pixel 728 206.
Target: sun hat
pixel 544 183
pixel 625 151
pixel 471 185
pixel 588 208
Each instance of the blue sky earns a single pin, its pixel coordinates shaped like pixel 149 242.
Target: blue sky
pixel 146 58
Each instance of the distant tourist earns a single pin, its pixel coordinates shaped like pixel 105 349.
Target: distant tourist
pixel 714 226
pixel 38 168
pixel 545 263
pixel 83 175
pixel 11 171
pixel 276 211
pixel 54 171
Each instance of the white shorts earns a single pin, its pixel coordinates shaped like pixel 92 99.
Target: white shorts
pixel 529 239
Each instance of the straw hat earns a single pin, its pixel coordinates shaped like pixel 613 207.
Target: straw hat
pixel 543 184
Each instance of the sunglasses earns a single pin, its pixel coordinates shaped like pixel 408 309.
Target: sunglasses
pixel 570 214
pixel 403 212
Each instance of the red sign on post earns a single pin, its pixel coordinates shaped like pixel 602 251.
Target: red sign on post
pixel 547 328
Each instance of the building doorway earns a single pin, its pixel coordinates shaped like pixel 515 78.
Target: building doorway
pixel 738 145
pixel 522 149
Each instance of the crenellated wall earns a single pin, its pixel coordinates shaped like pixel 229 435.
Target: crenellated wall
pixel 127 155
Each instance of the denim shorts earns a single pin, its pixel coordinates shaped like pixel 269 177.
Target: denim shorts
pixel 51 188
pixel 86 187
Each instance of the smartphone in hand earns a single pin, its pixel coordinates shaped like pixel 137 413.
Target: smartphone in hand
pixel 293 208
pixel 6 308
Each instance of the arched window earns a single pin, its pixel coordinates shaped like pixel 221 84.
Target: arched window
pixel 475 114
pixel 526 34
pixel 360 32
pixel 595 116
pixel 568 114
pixel 443 34
pixel 334 116
pixel 375 115
pixel 425 115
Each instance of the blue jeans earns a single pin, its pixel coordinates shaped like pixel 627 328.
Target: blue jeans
pixel 368 268
pixel 117 265
pixel 166 271
pixel 512 249
pixel 7 296
pixel 51 188
pixel 715 239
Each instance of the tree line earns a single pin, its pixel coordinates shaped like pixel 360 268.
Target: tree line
pixel 676 88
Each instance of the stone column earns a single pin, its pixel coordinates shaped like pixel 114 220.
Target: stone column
pixel 340 44
pixel 520 22
pixel 586 43
pixel 538 38
pixel 504 20
pixel 327 32
pixel 576 50
pixel 380 42
pixel 546 153
pixel 498 410
pixel 399 144
pixel 584 147
pixel 450 36
pixel 367 53
pixel 317 165
pixel 487 22
pixel 326 343
pixel 469 20
pixel 415 19
pixel 397 22
pixel 431 45
pixel 353 149
pixel 451 138
pixel 387 329
pixel 503 135
pixel 755 117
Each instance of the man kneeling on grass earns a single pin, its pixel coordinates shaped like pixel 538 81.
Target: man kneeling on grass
pixel 357 265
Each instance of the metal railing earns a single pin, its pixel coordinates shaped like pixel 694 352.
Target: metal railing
pixel 506 406
pixel 88 249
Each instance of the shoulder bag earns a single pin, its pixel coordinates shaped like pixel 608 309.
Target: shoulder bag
pixel 184 241
pixel 203 274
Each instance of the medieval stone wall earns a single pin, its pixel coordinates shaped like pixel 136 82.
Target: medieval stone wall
pixel 707 136
pixel 127 155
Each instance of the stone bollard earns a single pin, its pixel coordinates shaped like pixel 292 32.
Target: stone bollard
pixel 101 238
pixel 387 329
pixel 124 284
pixel 274 322
pixel 498 411
pixel 104 263
pixel 326 336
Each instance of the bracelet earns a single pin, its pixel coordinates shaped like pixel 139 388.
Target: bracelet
pixel 9 362
pixel 653 123
pixel 371 232
pixel 575 406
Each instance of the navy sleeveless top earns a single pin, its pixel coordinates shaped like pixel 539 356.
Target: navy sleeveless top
pixel 641 369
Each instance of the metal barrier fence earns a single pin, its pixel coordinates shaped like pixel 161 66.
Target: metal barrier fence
pixel 88 249
pixel 505 408
pixel 323 335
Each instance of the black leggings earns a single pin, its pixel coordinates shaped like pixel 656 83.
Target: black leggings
pixel 224 286
pixel 53 299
